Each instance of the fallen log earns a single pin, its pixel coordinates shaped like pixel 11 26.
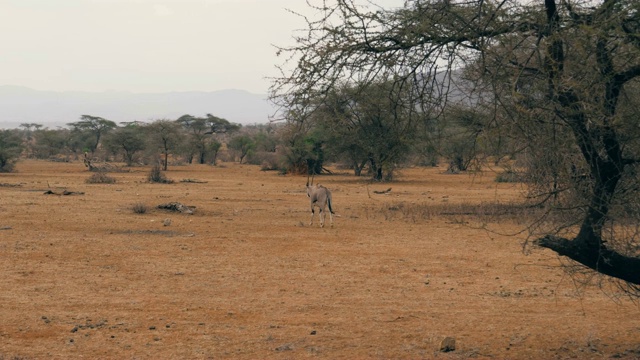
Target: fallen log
pixel 382 192
pixel 65 192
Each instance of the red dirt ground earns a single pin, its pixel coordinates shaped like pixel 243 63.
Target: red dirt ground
pixel 245 277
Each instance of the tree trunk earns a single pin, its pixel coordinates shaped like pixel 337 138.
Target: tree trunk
pixel 165 164
pixel 602 260
pixel 601 150
pixel 376 170
pixel 357 167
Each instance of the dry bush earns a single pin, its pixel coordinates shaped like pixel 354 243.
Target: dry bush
pixel 193 181
pixel 488 212
pixel 15 357
pixel 269 161
pixel 509 176
pixel 157 176
pixel 139 208
pixel 100 177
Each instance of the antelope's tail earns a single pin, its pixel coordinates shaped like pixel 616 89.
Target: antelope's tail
pixel 329 203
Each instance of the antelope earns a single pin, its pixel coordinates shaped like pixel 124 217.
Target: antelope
pixel 319 196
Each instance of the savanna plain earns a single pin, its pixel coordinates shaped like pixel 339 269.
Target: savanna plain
pixel 246 277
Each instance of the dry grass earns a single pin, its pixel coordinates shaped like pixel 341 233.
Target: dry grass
pixel 139 208
pixel 157 176
pixel 244 277
pixel 100 178
pixel 486 212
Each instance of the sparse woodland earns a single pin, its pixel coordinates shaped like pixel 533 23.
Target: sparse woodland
pixel 552 83
pixel 546 91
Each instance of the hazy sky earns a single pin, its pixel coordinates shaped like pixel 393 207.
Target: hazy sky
pixel 145 45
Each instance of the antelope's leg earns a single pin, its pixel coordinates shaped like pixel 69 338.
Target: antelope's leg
pixel 311 222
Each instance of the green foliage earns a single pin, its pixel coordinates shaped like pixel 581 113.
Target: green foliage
pixel 95 127
pixel 303 151
pixel 221 126
pixel 164 136
pixel 360 125
pixel 128 140
pixel 49 143
pixel 213 149
pixel 243 145
pixel 556 81
pixel 265 141
pixel 461 137
pixel 10 149
pixel 201 136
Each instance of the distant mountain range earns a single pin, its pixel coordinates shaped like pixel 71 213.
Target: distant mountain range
pixel 51 109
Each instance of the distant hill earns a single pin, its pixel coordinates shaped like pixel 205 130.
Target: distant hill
pixel 49 108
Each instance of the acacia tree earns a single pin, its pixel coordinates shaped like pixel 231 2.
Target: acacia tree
pixel 48 143
pixel 10 149
pixel 554 70
pixel 128 139
pixel 95 127
pixel 219 125
pixel 165 136
pixel 197 134
pixel 213 148
pixel 461 136
pixel 202 132
pixel 28 133
pixel 303 147
pixel 369 125
pixel 243 145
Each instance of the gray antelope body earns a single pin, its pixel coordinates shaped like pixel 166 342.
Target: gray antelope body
pixel 320 197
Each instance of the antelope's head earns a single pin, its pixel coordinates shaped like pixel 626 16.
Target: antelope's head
pixel 309 185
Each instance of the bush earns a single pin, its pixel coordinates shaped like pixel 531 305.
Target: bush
pixel 486 212
pixel 10 149
pixel 157 176
pixel 509 176
pixel 267 160
pixel 100 178
pixel 139 208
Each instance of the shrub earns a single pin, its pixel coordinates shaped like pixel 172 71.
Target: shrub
pixel 139 208
pixel 157 176
pixel 100 178
pixel 10 149
pixel 484 212
pixel 268 161
pixel 509 176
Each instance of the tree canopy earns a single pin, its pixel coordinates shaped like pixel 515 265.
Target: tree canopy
pixel 10 149
pixel 95 126
pixel 557 75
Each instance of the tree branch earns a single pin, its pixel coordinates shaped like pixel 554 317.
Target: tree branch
pixel 602 260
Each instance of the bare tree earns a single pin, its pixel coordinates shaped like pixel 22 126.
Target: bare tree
pixel 558 71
